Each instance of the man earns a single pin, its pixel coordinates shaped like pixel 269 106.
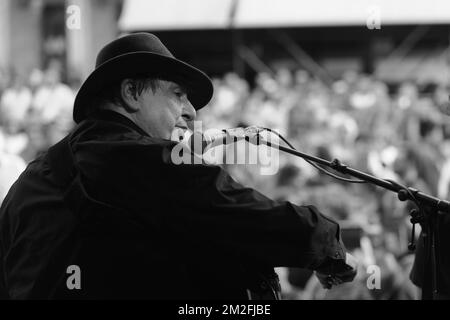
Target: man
pixel 106 214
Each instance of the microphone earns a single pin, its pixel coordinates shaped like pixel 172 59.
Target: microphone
pixel 200 142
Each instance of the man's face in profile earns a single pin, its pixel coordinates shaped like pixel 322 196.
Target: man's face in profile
pixel 164 110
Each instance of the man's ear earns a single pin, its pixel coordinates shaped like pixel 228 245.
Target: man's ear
pixel 129 95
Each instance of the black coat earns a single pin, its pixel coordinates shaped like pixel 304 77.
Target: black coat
pixel 139 226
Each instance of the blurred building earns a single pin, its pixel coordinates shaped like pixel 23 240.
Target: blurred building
pixel 395 40
pixel 34 33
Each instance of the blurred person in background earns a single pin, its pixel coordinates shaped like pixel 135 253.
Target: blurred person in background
pixel 14 107
pixel 53 100
pixel 11 166
pixel 230 92
pixel 15 102
pixel 444 179
pixel 35 80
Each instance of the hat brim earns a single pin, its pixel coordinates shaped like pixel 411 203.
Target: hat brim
pixel 198 85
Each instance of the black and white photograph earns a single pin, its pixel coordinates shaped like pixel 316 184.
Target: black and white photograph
pixel 225 154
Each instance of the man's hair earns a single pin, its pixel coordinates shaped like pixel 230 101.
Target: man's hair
pixel 112 93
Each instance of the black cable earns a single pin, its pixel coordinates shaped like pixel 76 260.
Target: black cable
pixel 312 163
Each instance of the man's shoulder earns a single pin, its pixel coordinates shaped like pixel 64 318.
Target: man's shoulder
pixel 104 149
pixel 33 183
pixel 110 131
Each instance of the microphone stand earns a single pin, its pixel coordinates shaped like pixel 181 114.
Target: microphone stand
pixel 427 213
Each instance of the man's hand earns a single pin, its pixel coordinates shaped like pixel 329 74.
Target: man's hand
pixel 341 273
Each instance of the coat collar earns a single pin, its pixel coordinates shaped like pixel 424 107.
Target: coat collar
pixel 110 115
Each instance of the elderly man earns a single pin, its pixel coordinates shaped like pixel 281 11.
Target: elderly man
pixel 104 214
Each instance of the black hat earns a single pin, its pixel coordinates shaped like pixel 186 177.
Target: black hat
pixel 140 54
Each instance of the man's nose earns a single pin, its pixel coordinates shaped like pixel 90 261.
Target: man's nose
pixel 189 112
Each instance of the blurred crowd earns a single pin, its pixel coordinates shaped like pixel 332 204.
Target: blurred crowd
pixel 393 132
pixel 401 134
pixel 35 112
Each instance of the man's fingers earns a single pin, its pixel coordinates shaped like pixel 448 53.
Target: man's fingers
pixel 328 281
pixel 347 277
pixel 346 274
